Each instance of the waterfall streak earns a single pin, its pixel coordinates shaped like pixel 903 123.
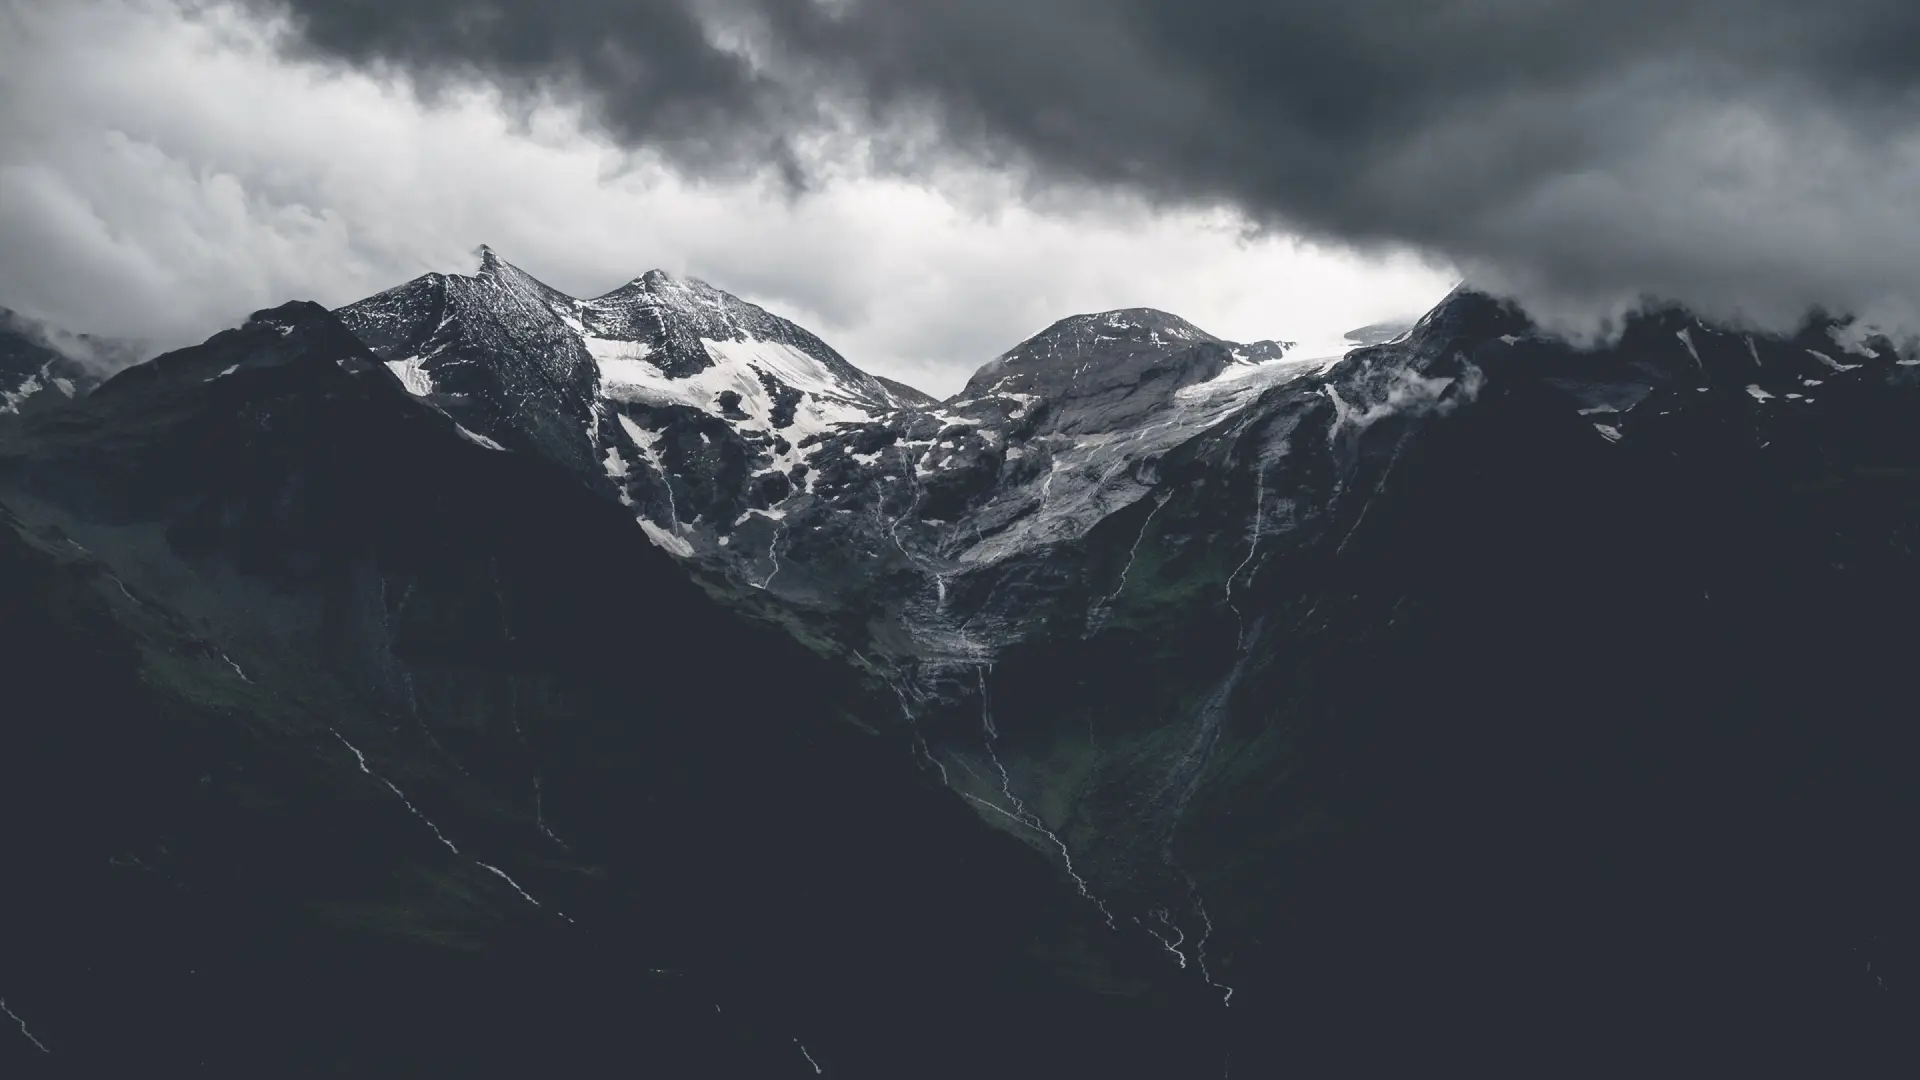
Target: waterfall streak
pixel 437 834
pixel 38 1045
pixel 1020 812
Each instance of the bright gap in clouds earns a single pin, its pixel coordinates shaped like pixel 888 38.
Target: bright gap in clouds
pixel 162 176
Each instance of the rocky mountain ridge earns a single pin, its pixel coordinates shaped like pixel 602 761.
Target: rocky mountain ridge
pixel 1124 491
pixel 1513 697
pixel 746 444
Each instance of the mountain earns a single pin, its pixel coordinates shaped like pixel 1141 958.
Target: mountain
pixel 693 406
pixel 1109 371
pixel 1158 705
pixel 1474 680
pixel 748 446
pixel 33 373
pixel 1152 602
pixel 357 744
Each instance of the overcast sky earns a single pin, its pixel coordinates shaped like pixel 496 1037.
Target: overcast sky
pixel 926 182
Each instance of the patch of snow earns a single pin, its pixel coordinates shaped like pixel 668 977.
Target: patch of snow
pixel 1608 431
pixel 649 444
pixel 771 515
pixel 1685 335
pixel 1510 339
pixel 1758 394
pixel 1830 361
pixel 478 439
pixel 66 387
pixel 783 362
pixel 224 372
pixel 627 375
pixel 10 401
pixel 622 362
pixel 661 538
pixel 412 376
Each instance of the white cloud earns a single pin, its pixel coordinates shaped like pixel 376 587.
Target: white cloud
pixel 162 176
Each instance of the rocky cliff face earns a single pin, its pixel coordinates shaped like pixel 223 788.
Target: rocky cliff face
pixel 1158 704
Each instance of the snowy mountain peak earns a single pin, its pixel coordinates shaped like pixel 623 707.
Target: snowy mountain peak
pixel 1129 321
pixel 1113 353
pixel 492 267
pixel 741 440
pixel 688 326
pixel 642 388
pixel 657 279
pixel 1079 334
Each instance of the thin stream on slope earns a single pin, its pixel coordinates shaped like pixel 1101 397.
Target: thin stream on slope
pixel 437 834
pixel 1020 812
pixel 38 1045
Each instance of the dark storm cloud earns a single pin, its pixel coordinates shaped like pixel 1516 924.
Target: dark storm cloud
pixel 651 69
pixel 1742 154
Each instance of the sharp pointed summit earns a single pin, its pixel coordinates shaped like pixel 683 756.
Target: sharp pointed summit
pixel 683 400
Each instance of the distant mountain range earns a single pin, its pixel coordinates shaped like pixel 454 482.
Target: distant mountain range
pixel 481 678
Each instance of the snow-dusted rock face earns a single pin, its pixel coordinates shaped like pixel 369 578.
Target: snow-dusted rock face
pixel 747 444
pixel 492 350
pixel 689 404
pixel 1105 372
pixel 32 372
